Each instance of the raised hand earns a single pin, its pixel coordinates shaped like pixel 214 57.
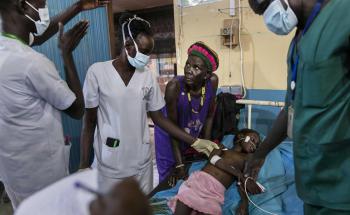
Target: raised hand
pixel 69 40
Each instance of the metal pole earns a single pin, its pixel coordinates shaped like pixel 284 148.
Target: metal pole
pixel 250 116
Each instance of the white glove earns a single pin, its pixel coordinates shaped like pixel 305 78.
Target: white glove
pixel 204 146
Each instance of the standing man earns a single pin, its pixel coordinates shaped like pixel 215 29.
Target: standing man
pixel 32 95
pixel 317 113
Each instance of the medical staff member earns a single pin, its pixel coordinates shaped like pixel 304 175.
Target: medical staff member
pixel 31 97
pixel 118 95
pixel 317 112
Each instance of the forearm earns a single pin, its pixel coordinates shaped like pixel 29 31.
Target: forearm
pixel 175 131
pixel 87 139
pixel 73 82
pixel 171 128
pixel 63 17
pixel 243 195
pixel 176 151
pixel 277 134
pixel 207 128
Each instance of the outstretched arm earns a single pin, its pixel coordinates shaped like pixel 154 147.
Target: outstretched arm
pixel 171 98
pixel 172 93
pixel 67 15
pixel 67 43
pixel 171 128
pixel 200 145
pixel 277 134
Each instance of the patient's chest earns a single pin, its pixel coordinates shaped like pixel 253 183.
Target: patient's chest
pixel 236 159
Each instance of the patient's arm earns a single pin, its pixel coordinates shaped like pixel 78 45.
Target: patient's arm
pixel 243 205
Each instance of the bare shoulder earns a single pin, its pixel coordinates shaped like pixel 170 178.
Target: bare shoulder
pixel 214 79
pixel 173 85
pixel 172 90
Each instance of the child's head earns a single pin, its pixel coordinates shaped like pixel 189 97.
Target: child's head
pixel 247 139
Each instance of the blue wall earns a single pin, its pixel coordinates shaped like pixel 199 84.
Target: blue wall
pixel 93 48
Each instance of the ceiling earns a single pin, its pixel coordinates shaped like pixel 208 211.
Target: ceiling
pixel 130 5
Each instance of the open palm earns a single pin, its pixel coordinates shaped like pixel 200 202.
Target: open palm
pixel 68 41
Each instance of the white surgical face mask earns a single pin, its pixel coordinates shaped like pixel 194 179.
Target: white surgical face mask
pixel 31 39
pixel 44 22
pixel 278 20
pixel 140 60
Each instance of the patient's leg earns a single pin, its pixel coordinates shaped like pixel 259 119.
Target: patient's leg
pixel 182 209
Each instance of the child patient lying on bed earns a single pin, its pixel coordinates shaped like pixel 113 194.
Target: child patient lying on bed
pixel 203 192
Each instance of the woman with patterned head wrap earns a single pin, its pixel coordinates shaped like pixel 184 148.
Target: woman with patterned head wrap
pixel 190 103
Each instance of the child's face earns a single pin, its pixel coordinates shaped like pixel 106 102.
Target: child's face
pixel 249 143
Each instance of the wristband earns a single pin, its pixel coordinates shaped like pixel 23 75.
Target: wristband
pixel 215 159
pixel 180 165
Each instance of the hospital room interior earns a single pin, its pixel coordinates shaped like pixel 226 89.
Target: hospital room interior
pixel 223 107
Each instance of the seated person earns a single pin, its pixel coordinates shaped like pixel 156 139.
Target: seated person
pixel 204 190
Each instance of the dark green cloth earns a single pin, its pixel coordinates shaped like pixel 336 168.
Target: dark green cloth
pixel 317 210
pixel 321 131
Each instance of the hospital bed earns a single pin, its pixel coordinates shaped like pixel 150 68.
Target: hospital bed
pixel 277 176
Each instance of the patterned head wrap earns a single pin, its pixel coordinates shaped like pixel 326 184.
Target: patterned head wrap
pixel 209 56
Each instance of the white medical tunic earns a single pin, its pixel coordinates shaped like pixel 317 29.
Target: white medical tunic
pixel 62 197
pixel 122 115
pixel 31 135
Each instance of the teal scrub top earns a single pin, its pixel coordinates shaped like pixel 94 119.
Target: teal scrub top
pixel 321 130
